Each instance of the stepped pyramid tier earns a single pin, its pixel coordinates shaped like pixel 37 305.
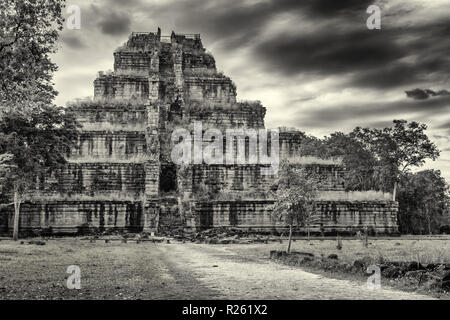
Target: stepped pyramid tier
pixel 121 175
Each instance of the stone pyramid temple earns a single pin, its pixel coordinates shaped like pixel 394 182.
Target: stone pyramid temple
pixel 121 175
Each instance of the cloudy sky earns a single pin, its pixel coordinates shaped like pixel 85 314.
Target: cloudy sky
pixel 312 63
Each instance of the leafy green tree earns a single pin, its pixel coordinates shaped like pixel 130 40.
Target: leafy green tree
pixel 294 197
pixel 397 148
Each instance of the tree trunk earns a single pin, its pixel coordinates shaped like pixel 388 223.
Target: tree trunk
pixel 308 233
pixel 366 239
pixel 428 219
pixel 290 239
pixel 16 215
pixel 394 193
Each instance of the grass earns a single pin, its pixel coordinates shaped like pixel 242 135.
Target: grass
pixel 101 103
pixel 112 270
pixel 130 72
pixel 112 127
pixel 403 249
pixel 314 160
pixel 241 106
pixel 110 196
pixel 202 72
pixel 354 195
pixel 87 159
pixel 118 270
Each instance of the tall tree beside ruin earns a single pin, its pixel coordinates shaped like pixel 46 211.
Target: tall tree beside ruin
pixel 294 197
pixel 35 135
pixel 397 148
pixel 35 144
pixel 423 198
pixel 360 163
pixel 28 36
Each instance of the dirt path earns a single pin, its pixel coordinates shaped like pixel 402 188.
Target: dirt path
pixel 221 269
pixel 162 271
pixel 108 271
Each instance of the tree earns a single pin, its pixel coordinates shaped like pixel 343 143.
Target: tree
pixel 35 144
pixel 294 197
pixel 35 135
pixel 423 199
pixel 360 163
pixel 28 36
pixel 397 148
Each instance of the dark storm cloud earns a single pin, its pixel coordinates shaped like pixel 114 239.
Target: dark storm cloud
pixel 115 23
pixel 387 58
pixel 329 52
pixel 370 112
pixel 235 22
pixel 390 57
pixel 72 41
pixel 422 94
pixel 327 8
pixel 370 58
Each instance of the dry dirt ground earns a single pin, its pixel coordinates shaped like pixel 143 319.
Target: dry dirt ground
pixel 148 270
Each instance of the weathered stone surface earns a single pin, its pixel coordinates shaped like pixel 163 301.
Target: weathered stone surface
pixel 73 217
pixel 211 89
pixel 113 178
pixel 109 145
pixel 103 116
pixel 244 214
pixel 121 87
pixel 350 216
pixel 240 115
pixel 96 179
pixel 332 216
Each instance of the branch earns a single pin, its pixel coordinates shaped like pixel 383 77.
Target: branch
pixel 2 205
pixel 16 37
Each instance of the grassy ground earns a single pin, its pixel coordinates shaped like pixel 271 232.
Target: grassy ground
pixel 149 270
pixel 108 271
pixel 425 250
pixel 435 250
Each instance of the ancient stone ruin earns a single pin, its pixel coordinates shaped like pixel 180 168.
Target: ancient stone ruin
pixel 120 175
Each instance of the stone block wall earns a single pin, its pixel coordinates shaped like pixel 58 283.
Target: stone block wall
pixel 74 217
pixel 247 178
pixel 351 216
pixel 117 145
pixel 217 89
pixel 170 216
pixel 229 116
pixel 290 144
pixel 241 214
pixel 132 62
pixel 95 179
pixel 121 87
pixel 231 178
pixel 101 116
pixel 332 217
